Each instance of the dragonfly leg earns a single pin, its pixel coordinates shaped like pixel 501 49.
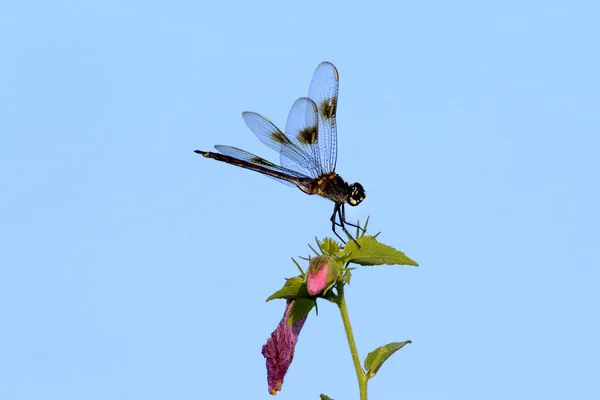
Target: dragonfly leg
pixel 336 209
pixel 343 218
pixel 339 210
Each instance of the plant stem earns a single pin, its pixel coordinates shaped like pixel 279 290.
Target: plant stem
pixel 360 374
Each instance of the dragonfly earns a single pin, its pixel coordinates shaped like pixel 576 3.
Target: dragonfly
pixel 307 148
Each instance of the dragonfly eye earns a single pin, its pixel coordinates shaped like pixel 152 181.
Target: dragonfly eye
pixel 357 194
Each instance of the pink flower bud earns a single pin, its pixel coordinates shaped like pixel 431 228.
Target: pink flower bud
pixel 323 271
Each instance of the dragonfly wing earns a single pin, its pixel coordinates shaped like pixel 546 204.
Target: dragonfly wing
pixel 302 132
pixel 324 92
pixel 261 162
pixel 293 156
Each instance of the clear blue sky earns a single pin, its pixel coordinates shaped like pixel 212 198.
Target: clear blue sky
pixel 132 268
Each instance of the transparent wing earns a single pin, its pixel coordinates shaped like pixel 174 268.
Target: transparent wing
pixel 296 146
pixel 302 132
pixel 260 162
pixel 324 92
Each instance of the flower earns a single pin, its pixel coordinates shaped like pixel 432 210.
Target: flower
pixel 323 271
pixel 279 349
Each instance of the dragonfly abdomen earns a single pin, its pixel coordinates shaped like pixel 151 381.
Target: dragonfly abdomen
pixel 254 164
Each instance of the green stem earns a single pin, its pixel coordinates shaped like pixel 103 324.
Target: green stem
pixel 360 374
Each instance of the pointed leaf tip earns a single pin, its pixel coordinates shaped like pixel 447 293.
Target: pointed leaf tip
pixel 371 252
pixel 377 357
pixel 292 289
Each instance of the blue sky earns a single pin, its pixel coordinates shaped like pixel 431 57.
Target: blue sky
pixel 134 269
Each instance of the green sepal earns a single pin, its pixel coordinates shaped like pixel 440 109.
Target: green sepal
pixel 329 246
pixel 293 288
pixel 329 295
pixel 300 309
pixel 377 357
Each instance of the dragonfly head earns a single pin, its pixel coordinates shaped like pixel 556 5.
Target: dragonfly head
pixel 357 194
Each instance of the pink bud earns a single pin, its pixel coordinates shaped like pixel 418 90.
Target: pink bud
pixel 322 272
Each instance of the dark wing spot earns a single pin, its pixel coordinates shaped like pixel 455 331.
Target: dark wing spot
pixel 261 161
pixel 279 137
pixel 308 135
pixel 328 108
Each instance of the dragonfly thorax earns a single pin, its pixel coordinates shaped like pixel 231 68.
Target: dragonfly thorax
pixel 333 187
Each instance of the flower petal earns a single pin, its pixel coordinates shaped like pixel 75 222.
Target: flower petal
pixel 279 349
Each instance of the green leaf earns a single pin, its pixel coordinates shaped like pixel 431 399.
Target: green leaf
pixel 371 252
pixel 377 357
pixel 300 309
pixel 294 288
pixel 325 397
